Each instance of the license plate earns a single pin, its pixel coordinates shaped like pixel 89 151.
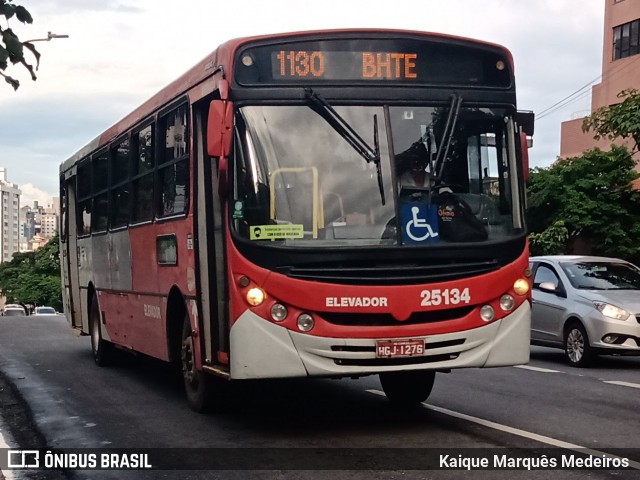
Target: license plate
pixel 399 348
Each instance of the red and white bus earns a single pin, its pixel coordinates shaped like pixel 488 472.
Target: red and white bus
pixel 315 204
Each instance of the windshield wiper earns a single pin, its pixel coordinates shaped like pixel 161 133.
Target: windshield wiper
pixel 447 134
pixel 323 108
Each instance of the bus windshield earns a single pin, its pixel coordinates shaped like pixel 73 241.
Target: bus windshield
pixel 442 174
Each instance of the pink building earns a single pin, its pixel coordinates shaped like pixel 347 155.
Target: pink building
pixel 620 70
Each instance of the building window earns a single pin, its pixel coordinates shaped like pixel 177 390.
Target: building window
pixel 626 40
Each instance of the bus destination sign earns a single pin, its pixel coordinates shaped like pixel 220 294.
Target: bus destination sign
pixel 301 64
pixel 405 61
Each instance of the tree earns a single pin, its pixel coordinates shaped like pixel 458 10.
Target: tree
pixel 593 197
pixel 621 120
pixel 11 48
pixel 34 277
pixel 552 241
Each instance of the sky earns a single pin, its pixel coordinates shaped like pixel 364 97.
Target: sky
pixel 121 52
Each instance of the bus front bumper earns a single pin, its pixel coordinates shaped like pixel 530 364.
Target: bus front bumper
pixel 261 349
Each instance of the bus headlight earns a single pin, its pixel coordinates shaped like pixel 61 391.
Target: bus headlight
pixel 507 302
pixel 521 286
pixel 305 322
pixel 255 296
pixel 487 313
pixel 278 312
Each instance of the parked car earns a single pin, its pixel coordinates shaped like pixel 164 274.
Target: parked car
pixel 45 311
pixel 12 309
pixel 586 306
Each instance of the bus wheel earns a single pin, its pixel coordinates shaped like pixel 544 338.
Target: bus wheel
pixel 197 384
pixel 102 350
pixel 407 389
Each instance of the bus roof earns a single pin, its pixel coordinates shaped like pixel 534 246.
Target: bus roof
pixel 220 62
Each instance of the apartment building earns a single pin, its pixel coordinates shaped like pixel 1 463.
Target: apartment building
pixel 38 224
pixel 620 70
pixel 9 212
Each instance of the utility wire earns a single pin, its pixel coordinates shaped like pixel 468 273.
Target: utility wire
pixel 568 99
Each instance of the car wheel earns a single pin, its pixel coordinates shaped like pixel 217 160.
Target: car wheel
pixel 577 350
pixel 102 349
pixel 407 389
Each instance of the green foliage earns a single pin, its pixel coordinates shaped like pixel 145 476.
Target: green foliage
pixel 11 48
pixel 621 120
pixel 551 241
pixel 34 277
pixel 592 197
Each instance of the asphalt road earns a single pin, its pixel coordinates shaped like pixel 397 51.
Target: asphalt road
pixel 71 403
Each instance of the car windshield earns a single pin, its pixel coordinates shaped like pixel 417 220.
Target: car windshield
pixel 48 310
pixel 13 311
pixel 324 175
pixel 602 275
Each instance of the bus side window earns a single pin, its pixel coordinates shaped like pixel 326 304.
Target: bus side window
pixel 142 176
pixel 83 189
pixel 173 164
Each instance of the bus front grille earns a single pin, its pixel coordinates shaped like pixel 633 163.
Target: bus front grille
pixel 386 319
pixel 390 274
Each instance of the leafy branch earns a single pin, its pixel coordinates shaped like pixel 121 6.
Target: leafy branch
pixel 12 50
pixel 621 120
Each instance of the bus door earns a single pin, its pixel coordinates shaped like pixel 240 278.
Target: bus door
pixel 210 248
pixel 69 252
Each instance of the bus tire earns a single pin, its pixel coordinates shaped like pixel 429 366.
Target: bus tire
pixel 197 384
pixel 102 349
pixel 407 389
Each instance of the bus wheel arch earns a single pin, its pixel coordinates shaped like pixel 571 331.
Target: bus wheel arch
pixel 176 314
pixel 184 353
pixel 103 350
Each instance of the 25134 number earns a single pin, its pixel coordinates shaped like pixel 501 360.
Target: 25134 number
pixel 447 296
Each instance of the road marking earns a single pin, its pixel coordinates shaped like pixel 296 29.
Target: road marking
pixel 622 384
pixel 537 369
pixel 516 431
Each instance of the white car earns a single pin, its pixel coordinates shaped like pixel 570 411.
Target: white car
pixel 586 306
pixel 45 311
pixel 13 309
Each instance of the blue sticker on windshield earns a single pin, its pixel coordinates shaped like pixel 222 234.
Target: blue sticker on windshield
pixel 419 222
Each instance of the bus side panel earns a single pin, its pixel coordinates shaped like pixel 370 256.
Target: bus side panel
pixel 100 253
pixel 144 266
pixel 135 321
pixel 120 260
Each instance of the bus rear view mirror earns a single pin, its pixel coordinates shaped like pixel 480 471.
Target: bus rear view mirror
pixel 526 122
pixel 219 127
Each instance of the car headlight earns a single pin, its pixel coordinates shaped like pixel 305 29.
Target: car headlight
pixel 611 311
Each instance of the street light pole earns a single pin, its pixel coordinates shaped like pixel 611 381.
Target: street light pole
pixel 50 36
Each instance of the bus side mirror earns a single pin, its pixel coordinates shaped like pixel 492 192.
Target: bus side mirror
pixel 219 128
pixel 526 123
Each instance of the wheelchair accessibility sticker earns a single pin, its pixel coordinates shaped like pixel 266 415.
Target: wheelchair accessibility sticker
pixel 419 222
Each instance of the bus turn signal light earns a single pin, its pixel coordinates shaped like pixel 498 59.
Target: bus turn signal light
pixel 521 286
pixel 255 296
